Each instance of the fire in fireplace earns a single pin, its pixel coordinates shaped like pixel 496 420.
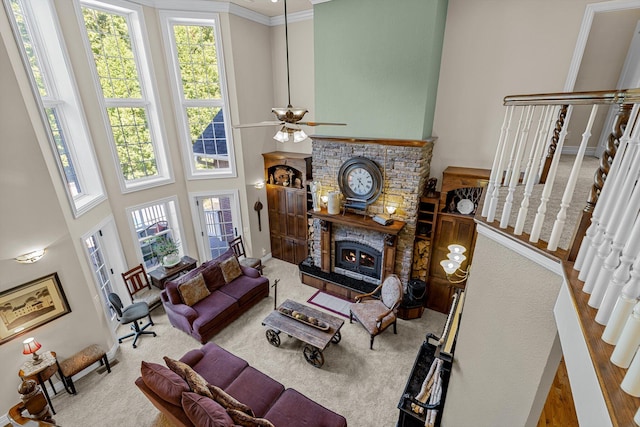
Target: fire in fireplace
pixel 359 258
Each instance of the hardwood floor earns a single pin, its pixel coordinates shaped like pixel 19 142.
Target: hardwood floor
pixel 559 409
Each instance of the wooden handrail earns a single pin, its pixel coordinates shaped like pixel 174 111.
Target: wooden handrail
pixel 623 96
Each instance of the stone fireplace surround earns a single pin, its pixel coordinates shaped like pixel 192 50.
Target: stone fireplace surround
pixel 405 165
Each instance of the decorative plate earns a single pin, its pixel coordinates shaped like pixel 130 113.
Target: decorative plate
pixel 465 206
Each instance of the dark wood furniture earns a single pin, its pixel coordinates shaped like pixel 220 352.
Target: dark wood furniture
pixel 161 275
pixel 288 201
pixel 42 372
pixel 452 227
pixel 139 287
pixel 316 340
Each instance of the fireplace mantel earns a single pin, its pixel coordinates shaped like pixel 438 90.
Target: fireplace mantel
pixel 358 220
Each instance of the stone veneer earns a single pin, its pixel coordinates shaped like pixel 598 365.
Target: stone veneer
pixel 405 165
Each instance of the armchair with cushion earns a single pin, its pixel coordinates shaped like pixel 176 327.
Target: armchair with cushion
pixel 377 313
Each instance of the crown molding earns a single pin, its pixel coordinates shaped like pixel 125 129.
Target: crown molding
pixel 227 7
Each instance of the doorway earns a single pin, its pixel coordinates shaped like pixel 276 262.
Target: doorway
pixel 218 220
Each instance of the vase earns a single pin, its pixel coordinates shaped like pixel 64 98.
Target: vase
pixel 170 260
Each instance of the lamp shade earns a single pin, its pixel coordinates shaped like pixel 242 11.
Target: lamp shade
pixel 457 249
pixel 459 258
pixel 30 345
pixel 449 266
pixel 282 135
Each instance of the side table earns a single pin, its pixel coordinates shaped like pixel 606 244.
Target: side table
pixel 42 372
pixel 161 275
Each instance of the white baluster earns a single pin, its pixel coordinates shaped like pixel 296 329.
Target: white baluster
pixel 622 310
pixel 588 246
pixel 515 173
pixel 629 340
pixel 533 175
pixel 548 186
pixel 631 382
pixel 614 210
pixel 621 275
pixel 495 194
pixel 496 169
pixel 567 196
pixel 530 167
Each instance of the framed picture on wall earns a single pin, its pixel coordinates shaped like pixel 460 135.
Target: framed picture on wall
pixel 31 305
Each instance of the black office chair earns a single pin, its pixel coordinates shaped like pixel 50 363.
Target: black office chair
pixel 131 314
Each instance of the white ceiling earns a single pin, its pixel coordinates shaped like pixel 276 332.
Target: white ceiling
pixel 268 8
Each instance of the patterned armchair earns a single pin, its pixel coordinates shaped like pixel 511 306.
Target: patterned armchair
pixel 374 314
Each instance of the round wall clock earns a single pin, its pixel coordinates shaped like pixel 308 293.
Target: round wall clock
pixel 360 178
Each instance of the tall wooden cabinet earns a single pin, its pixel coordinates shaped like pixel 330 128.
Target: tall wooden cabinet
pixel 288 201
pixel 453 226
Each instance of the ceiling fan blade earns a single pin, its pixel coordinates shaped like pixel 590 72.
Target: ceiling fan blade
pixel 321 124
pixel 253 125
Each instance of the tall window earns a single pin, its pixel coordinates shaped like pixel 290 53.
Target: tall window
pixel 195 52
pixel 153 224
pixel 61 110
pixel 115 38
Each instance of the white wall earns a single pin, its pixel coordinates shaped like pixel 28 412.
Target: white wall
pixel 507 351
pixel 494 48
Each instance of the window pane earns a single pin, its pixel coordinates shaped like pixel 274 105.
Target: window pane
pixel 28 46
pixel 111 45
pixel 198 61
pixel 133 142
pixel 152 223
pixel 63 152
pixel 208 137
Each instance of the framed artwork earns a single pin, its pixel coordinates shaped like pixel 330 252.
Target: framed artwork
pixel 31 305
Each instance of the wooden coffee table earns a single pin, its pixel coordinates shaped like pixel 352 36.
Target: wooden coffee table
pixel 316 339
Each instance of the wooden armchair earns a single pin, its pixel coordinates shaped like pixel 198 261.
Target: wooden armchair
pixel 376 314
pixel 139 287
pixel 238 248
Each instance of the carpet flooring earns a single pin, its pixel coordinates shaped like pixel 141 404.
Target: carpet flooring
pixel 361 384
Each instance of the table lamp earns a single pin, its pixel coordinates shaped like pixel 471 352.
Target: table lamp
pixel 31 346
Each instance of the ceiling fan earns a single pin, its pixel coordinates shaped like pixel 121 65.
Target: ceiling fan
pixel 288 117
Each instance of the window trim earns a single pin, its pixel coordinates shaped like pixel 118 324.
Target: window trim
pixel 167 19
pixel 67 102
pixel 150 101
pixel 171 215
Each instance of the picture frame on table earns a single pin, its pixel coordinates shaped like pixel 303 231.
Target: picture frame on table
pixel 31 305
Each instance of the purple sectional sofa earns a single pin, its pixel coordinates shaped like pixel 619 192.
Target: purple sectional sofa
pixel 267 398
pixel 224 302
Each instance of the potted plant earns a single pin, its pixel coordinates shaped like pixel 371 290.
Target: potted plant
pixel 167 250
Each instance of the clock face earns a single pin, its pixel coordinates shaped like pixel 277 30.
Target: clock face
pixel 360 181
pixel 360 178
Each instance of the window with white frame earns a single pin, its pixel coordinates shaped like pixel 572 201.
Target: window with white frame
pixel 54 86
pixel 115 36
pixel 194 52
pixel 152 225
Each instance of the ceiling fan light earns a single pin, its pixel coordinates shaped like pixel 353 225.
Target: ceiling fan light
pixel 282 135
pixel 289 114
pixel 299 136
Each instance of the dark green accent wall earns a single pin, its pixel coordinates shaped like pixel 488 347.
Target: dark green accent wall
pixel 376 66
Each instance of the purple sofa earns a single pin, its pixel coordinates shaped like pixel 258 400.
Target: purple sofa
pixel 266 397
pixel 225 303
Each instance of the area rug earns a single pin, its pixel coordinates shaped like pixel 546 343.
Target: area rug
pixel 335 305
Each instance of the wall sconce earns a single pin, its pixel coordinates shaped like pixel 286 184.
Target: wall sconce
pixel 391 209
pixel 324 200
pixel 451 265
pixel 259 184
pixel 31 257
pixel 31 346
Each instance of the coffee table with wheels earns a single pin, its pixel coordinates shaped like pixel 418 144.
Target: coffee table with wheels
pixel 316 339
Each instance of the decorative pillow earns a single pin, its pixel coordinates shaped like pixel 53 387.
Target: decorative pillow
pixel 193 290
pixel 163 381
pixel 228 401
pixel 204 412
pixel 230 269
pixel 194 380
pixel 242 419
